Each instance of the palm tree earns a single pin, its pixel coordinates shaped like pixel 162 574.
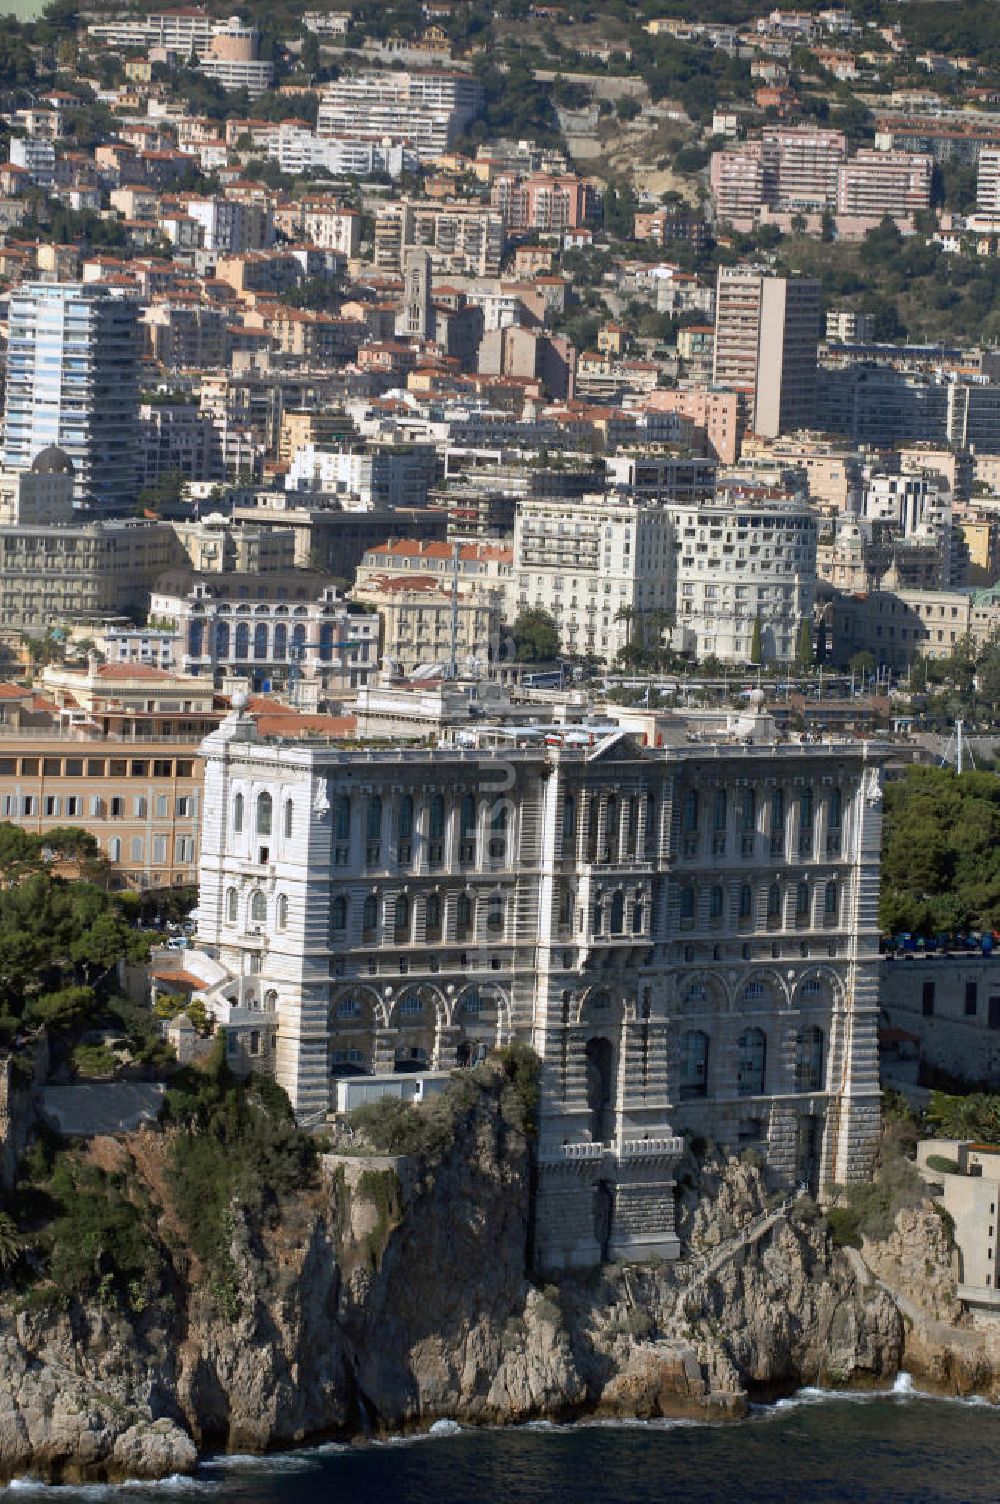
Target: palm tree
pixel 11 1243
pixel 627 614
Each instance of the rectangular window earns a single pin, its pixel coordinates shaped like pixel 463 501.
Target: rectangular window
pixel 136 848
pixel 161 806
pixel 927 1000
pixel 159 849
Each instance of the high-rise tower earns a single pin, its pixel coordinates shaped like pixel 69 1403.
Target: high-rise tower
pixel 72 381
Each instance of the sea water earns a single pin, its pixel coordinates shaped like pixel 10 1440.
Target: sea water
pixel 820 1447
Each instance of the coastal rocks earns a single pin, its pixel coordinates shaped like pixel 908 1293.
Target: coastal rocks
pixel 394 1294
pixel 66 1424
pixel 917 1262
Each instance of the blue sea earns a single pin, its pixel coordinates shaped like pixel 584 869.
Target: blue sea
pixel 897 1447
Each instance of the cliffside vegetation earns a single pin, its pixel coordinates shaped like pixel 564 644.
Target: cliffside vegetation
pixel 941 852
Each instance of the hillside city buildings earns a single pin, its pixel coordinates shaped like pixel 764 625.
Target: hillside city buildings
pixel 392 494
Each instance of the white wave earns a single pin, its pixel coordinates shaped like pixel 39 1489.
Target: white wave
pixel 27 1488
pixel 445 1428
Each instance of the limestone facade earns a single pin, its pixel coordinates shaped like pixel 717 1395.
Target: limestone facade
pixel 687 936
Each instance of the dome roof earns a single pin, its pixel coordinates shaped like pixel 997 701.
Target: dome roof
pixel 52 461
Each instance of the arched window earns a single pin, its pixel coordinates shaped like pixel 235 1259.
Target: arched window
pixel 751 1063
pixel 774 901
pixel 805 822
pixel 468 817
pixel 369 913
pixel 271 1000
pixel 637 917
pixel 242 640
pixel 432 916
pixel 565 907
pixel 472 1001
pixel 802 901
pixel 435 823
pixel 280 641
pixel 612 819
pixel 258 908
pixel 343 820
pixel 494 915
pixel 264 807
pixel 401 917
pixel 221 640
pixel 405 817
pixel 746 901
pixel 777 822
pixel 748 811
pixel 687 903
pixel 238 813
pixel 289 824
pixel 298 639
pixel 689 814
pixel 326 641
pixel 338 913
pixel 115 849
pixel 281 909
pixel 831 902
pixel 498 817
pixel 260 640
pixel 720 811
pixel 463 915
pixel 715 902
pixel 232 908
pixel 569 817
pixel 617 914
pixel 374 828
pixel 196 636
pixel 349 1007
pixel 834 807
pixel 598 916
pixel 411 1004
pixel 693 1064
pixel 809 1060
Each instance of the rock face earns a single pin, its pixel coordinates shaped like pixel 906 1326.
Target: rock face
pixel 396 1294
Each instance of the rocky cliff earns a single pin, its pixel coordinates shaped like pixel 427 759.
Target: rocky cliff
pixel 394 1292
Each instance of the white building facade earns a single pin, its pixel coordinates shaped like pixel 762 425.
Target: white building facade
pixel 602 566
pixel 741 561
pixel 686 936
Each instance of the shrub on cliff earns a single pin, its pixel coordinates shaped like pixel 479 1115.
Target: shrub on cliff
pixel 238 1147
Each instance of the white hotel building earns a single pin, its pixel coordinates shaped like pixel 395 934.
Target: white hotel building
pixel 687 936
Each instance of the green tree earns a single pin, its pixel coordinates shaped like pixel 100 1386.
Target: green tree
pixel 536 636
pixel 757 642
pixel 804 647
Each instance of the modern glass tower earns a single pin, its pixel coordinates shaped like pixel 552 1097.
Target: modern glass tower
pixel 72 381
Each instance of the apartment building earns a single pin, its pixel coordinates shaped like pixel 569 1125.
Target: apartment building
pixel 875 183
pixel 56 568
pixel 267 629
pixel 686 934
pixel 743 559
pixel 604 570
pixel 72 382
pixel 988 182
pixel 186 335
pixel 462 239
pixel 544 201
pixel 384 475
pixel 766 341
pixel 429 109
